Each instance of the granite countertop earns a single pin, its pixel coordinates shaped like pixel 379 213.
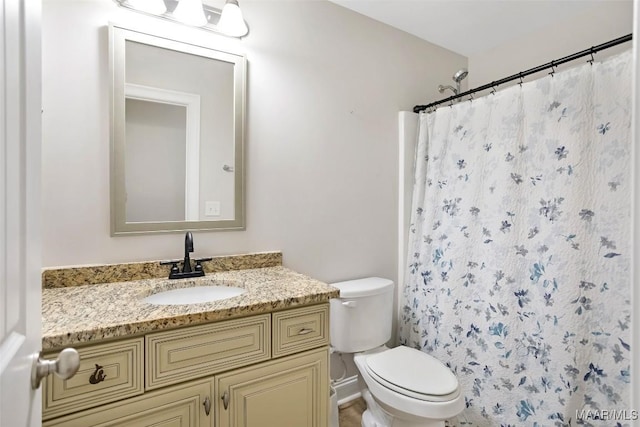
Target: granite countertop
pixel 90 313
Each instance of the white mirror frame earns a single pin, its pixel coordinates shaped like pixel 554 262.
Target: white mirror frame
pixel 120 90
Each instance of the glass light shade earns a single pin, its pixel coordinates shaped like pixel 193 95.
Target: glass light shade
pixel 190 12
pixel 231 21
pixel 154 7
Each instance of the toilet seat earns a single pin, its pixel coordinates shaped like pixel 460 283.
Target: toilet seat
pixel 397 401
pixel 413 373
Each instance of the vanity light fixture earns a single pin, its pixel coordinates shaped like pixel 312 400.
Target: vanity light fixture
pixel 190 12
pixel 231 20
pixel 153 7
pixel 196 13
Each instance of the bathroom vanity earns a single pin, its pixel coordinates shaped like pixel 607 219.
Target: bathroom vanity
pixel 257 359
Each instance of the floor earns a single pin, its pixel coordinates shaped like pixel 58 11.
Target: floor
pixel 350 413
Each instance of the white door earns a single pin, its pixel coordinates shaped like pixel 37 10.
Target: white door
pixel 20 258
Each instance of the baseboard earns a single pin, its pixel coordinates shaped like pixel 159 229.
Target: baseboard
pixel 347 389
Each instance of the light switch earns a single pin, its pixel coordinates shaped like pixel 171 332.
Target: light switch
pixel 212 208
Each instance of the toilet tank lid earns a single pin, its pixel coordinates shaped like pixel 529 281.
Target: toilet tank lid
pixel 363 287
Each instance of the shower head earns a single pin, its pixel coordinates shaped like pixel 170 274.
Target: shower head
pixel 460 75
pixel 457 77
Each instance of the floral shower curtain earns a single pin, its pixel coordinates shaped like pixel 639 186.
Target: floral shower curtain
pixel 519 253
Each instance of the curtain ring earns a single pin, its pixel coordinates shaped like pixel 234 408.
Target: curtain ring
pixel 592 51
pixel 493 88
pixel 471 97
pixel 553 68
pixel 520 74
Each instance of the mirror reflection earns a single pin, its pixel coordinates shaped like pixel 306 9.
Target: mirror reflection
pixel 177 135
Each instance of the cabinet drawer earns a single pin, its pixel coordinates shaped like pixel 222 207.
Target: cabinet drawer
pixel 300 329
pixel 184 405
pixel 108 372
pixel 199 351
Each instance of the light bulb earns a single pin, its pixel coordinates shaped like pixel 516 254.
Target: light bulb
pixel 190 12
pixel 231 21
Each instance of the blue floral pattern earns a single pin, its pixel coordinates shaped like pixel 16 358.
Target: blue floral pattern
pixel 519 253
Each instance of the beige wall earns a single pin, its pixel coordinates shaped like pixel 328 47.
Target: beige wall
pixel 324 89
pixel 603 22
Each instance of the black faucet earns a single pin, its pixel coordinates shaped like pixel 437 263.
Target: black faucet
pixel 188 247
pixel 187 271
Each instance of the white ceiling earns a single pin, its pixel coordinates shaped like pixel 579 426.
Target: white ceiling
pixel 468 27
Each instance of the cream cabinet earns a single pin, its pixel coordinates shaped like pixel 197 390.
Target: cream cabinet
pixel 287 392
pixel 300 329
pixel 185 405
pixel 266 370
pixel 107 373
pixel 197 351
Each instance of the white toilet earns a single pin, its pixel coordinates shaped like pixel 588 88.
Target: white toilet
pixel 403 387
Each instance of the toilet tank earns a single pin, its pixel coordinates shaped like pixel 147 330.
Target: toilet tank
pixel 361 317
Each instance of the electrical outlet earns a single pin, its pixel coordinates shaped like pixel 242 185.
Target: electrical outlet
pixel 212 208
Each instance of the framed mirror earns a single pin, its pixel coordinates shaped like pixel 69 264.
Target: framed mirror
pixel 177 135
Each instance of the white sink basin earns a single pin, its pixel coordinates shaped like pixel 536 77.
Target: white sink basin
pixel 193 295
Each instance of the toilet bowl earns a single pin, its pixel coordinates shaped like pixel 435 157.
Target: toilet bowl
pixel 403 387
pixel 410 386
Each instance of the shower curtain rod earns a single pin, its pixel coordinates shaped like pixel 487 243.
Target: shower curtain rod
pixel 591 51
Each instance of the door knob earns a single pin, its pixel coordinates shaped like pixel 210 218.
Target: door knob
pixel 65 366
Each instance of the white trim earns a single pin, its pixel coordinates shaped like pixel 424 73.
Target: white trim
pixel 407 140
pixel 347 389
pixel 4 328
pixel 191 102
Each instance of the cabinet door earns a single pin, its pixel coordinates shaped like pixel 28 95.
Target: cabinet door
pixel 288 392
pixel 187 405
